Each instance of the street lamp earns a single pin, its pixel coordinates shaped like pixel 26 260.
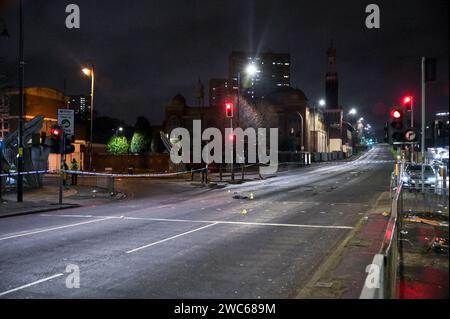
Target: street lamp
pixel 89 71
pixel 250 70
pixel 322 103
pixel 353 111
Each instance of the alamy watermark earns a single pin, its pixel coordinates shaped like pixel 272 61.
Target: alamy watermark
pixel 257 149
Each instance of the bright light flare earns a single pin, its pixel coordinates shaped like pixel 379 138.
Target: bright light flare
pixel 251 69
pixel 87 71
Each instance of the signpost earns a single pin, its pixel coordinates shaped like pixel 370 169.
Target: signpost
pixel 66 122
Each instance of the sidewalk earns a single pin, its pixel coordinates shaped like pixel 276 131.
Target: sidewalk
pixel 46 199
pixel 343 274
pixel 424 264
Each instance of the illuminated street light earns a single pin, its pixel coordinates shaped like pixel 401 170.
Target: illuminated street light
pixel 353 111
pixel 89 71
pixel 322 102
pixel 251 69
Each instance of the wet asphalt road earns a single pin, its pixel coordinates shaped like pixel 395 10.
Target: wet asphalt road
pixel 171 240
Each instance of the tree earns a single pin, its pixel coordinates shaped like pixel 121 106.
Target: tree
pixel 142 137
pixel 117 145
pixel 139 144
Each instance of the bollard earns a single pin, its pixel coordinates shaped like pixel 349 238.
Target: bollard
pixel 111 184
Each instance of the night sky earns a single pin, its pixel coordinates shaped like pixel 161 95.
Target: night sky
pixel 145 52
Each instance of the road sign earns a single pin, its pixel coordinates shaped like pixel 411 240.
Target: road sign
pixel 410 135
pixel 66 121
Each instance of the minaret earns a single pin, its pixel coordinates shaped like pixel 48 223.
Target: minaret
pixel 331 84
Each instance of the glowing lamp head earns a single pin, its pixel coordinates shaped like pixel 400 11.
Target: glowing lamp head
pixel 251 69
pixel 87 71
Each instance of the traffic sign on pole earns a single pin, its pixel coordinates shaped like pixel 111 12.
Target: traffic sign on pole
pixel 66 121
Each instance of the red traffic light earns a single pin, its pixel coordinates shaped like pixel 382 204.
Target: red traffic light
pixel 56 131
pixel 396 114
pixel 229 109
pixel 407 102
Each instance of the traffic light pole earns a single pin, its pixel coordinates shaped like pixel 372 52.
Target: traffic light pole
pixel 423 121
pixel 232 150
pixel 61 175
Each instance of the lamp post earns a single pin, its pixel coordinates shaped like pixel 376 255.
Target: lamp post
pixel 301 130
pixel 21 106
pixel 251 70
pixel 89 71
pixel 322 103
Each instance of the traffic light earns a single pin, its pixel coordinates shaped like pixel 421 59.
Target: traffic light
pixel 55 139
pixel 407 103
pixel 68 144
pixel 229 109
pixel 396 125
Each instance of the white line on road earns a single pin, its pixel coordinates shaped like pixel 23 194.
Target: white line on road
pixel 54 228
pixel 220 222
pixel 170 238
pixel 30 284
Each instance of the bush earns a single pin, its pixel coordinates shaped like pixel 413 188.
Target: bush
pixel 117 145
pixel 139 143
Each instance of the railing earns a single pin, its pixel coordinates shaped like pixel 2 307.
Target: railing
pixel 383 273
pixel 381 281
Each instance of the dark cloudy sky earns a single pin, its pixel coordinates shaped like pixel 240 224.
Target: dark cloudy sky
pixel 146 51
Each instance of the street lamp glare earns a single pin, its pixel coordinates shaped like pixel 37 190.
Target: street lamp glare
pixel 353 111
pixel 121 129
pixel 322 102
pixel 251 69
pixel 361 119
pixel 87 71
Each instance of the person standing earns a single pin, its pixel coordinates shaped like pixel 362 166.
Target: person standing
pixel 74 167
pixel 65 168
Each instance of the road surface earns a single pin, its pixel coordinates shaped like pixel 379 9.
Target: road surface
pixel 172 240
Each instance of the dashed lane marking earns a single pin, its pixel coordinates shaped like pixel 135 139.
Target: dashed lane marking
pixel 56 228
pixel 167 239
pixel 30 284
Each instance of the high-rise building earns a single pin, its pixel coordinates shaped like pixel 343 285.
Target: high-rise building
pixel 219 91
pixel 81 104
pixel 273 71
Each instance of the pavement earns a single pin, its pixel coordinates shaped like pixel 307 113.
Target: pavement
pixel 424 263
pixel 46 199
pixel 171 240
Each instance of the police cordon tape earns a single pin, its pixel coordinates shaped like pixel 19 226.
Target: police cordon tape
pixel 124 175
pixel 99 174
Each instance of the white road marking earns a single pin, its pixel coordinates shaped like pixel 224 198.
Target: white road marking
pixel 167 239
pixel 226 222
pixel 31 284
pixel 54 228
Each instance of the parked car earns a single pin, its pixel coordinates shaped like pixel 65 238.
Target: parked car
pixel 413 176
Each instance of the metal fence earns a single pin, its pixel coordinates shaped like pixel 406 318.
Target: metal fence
pixel 382 280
